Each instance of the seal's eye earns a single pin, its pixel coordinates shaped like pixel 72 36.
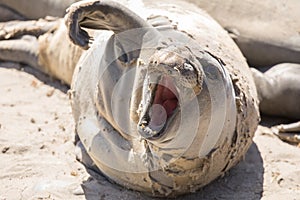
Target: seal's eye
pixel 124 58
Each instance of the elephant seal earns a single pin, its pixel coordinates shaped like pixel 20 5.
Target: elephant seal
pixel 161 105
pixel 279 93
pixel 278 88
pixel 163 100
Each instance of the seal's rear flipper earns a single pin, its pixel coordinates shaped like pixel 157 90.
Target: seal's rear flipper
pixel 24 50
pixel 19 40
pixel 288 132
pixel 16 29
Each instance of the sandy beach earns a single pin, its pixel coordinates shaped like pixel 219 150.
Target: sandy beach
pixel 37 158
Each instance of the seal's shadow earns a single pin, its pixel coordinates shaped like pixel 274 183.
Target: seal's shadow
pixel 39 75
pixel 244 181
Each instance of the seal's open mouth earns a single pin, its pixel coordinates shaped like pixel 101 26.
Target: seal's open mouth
pixel 160 109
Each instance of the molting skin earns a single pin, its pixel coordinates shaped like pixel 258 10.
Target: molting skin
pixel 163 100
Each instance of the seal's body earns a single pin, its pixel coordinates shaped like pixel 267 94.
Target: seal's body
pixel 116 95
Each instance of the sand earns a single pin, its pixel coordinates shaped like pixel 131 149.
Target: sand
pixel 37 152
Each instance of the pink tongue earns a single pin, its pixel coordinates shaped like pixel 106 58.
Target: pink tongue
pixel 158 117
pixel 165 102
pixel 165 95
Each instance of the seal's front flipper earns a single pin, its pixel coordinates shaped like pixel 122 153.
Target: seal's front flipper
pixel 83 157
pixel 101 15
pixel 288 132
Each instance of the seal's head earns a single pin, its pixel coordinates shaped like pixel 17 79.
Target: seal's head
pixel 170 71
